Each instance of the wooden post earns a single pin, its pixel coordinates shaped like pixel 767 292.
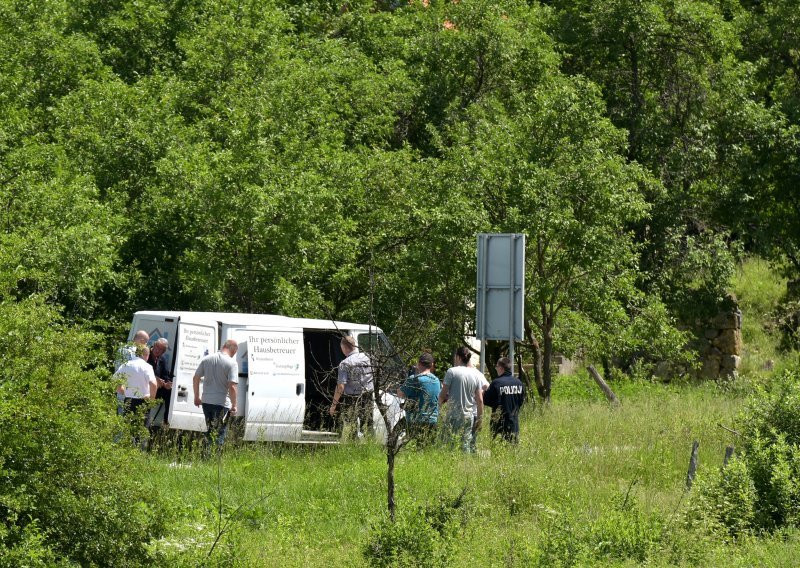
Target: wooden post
pixel 612 398
pixel 728 455
pixel 692 466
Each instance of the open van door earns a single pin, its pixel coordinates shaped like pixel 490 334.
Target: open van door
pixel 156 327
pixel 273 362
pixel 194 341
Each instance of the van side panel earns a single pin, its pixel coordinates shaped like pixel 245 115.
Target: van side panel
pixel 274 362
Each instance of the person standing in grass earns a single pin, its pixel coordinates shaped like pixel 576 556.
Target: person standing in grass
pixel 220 375
pixel 139 380
pixel 139 385
pixel 505 395
pixel 125 354
pixel 158 360
pixel 354 386
pixel 484 385
pixel 421 392
pixel 462 392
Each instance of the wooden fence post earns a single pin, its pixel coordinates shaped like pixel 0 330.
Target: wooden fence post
pixel 728 455
pixel 612 398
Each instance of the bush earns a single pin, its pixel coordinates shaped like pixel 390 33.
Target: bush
pixel 761 489
pixel 724 503
pixel 625 533
pixel 771 447
pixel 422 538
pixel 67 494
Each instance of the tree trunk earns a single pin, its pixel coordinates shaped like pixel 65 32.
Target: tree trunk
pixel 390 455
pixel 610 396
pixel 547 358
pixel 537 360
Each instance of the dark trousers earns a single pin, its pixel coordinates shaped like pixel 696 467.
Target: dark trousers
pixel 357 412
pixel 505 432
pixel 133 406
pixel 164 396
pixel 216 424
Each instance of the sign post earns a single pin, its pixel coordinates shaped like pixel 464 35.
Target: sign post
pixel 500 298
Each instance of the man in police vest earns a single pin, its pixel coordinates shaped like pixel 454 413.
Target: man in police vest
pixel 505 396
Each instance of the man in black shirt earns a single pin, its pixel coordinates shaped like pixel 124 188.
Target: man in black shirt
pixel 158 359
pixel 505 396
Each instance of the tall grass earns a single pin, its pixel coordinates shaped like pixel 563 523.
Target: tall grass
pixel 302 506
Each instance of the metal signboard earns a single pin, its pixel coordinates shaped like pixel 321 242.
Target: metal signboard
pixel 501 287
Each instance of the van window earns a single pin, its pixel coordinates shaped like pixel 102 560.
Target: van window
pixel 378 345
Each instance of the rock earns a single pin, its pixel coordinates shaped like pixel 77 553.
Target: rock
pixel 728 320
pixel 730 363
pixel 711 333
pixel 710 368
pixel 663 371
pixel 729 341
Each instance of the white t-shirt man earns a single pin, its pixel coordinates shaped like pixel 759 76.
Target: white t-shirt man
pixel 139 377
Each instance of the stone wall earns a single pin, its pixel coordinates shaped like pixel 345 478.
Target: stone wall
pixel 721 347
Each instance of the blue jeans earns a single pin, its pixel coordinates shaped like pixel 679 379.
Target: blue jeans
pixel 216 425
pixel 458 430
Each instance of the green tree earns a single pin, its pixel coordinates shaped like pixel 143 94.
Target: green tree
pixel 66 493
pixel 554 170
pixel 670 75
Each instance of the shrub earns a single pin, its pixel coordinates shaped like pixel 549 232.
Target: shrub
pixel 422 538
pixel 761 489
pixel 621 532
pixel 625 533
pixel 67 494
pixel 771 448
pixel 724 503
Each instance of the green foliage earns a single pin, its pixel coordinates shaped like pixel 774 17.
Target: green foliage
pixel 67 495
pixel 420 538
pixel 771 443
pixel 668 73
pixel 760 490
pixel 724 503
pixel 621 532
pixel 758 289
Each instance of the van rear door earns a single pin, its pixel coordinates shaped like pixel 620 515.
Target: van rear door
pixel 194 341
pixel 273 362
pixel 157 326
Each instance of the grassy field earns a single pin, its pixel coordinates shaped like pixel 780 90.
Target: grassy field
pixel 587 485
pixel 577 461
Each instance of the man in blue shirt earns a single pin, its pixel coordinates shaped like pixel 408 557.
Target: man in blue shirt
pixel 421 392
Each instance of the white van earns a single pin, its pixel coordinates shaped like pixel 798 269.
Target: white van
pixel 287 369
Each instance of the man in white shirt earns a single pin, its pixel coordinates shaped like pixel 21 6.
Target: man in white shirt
pixel 354 389
pixel 464 397
pixel 139 382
